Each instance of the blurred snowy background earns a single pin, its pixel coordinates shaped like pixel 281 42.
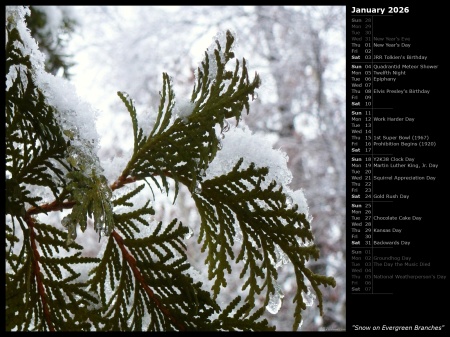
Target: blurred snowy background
pixel 299 52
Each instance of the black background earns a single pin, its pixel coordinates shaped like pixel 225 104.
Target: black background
pixel 412 302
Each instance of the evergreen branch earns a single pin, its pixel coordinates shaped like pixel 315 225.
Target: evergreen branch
pixel 165 107
pixel 38 286
pixel 36 140
pixel 122 181
pixel 137 132
pixel 191 141
pixel 123 200
pixel 267 223
pixel 127 222
pixel 155 262
pixel 37 274
pixel 133 265
pixel 92 196
pixel 54 206
pixel 231 319
pixel 147 276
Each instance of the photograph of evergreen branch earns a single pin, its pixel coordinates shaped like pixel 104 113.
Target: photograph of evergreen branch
pixel 175 168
